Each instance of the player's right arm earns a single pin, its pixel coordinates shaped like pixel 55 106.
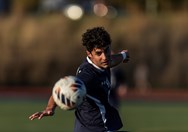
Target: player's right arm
pixel 49 111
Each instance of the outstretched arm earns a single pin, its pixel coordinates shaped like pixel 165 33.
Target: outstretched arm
pixel 49 111
pixel 118 58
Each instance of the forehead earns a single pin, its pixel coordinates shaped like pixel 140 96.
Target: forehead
pixel 101 49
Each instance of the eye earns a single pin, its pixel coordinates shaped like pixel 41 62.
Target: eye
pixel 98 53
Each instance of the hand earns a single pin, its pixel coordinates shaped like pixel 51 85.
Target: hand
pixel 127 56
pixel 41 114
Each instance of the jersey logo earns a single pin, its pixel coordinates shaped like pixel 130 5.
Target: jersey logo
pixel 106 83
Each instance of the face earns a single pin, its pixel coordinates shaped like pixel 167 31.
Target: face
pixel 100 56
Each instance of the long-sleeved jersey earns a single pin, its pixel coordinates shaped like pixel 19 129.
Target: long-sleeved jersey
pixel 95 113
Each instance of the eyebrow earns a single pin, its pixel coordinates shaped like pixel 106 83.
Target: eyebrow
pixel 98 52
pixel 103 48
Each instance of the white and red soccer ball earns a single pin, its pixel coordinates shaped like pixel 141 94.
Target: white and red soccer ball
pixel 69 92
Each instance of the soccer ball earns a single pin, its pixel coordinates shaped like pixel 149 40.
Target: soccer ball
pixel 69 92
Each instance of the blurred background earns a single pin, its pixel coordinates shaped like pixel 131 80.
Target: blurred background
pixel 40 42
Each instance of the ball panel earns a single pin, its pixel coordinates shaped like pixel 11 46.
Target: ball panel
pixel 69 92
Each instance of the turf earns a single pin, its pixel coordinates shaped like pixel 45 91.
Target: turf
pixel 136 116
pixel 155 116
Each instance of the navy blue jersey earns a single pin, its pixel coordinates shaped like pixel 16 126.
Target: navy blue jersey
pixel 95 113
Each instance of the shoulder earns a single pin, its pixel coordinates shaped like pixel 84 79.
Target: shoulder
pixel 84 68
pixel 85 71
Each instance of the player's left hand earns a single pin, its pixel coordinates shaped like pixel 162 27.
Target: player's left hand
pixel 127 56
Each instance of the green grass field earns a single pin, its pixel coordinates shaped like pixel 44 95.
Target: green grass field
pixel 136 116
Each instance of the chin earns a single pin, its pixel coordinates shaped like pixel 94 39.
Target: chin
pixel 106 66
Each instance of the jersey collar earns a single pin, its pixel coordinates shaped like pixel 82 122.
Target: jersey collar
pixel 94 64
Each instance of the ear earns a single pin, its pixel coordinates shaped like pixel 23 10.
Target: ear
pixel 89 54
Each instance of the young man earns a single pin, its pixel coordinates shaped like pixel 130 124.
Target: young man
pixel 95 114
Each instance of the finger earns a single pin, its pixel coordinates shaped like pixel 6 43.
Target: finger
pixel 35 115
pixel 40 117
pixel 44 113
pixel 32 118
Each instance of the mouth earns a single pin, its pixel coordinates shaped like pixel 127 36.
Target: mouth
pixel 105 62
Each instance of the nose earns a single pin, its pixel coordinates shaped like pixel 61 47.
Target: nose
pixel 105 56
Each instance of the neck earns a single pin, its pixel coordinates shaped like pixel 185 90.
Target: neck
pixel 88 59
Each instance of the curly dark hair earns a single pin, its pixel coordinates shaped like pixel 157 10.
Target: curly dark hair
pixel 96 37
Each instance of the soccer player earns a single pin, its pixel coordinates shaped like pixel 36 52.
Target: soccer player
pixel 95 114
